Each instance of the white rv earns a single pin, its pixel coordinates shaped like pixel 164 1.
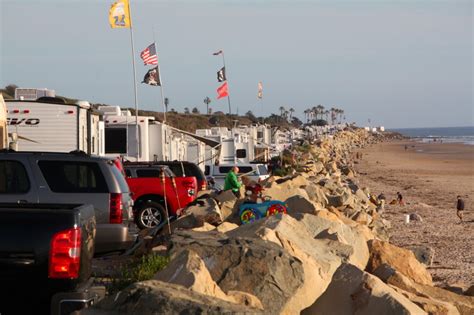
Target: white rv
pixel 3 124
pixel 52 125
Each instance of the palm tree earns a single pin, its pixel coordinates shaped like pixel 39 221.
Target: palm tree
pixel 186 110
pixel 282 110
pixel 320 109
pixel 326 113
pixel 306 115
pixel 207 101
pixel 286 114
pixel 292 110
pixel 333 115
pixel 314 111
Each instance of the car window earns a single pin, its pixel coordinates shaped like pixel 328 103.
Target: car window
pixel 148 173
pixel 73 177
pixel 119 177
pixel 13 178
pixel 207 170
pixel 262 170
pixel 176 168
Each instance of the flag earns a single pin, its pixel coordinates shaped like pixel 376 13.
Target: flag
pixel 119 14
pixel 260 90
pixel 152 77
pixel 217 53
pixel 221 75
pixel 222 91
pixel 149 55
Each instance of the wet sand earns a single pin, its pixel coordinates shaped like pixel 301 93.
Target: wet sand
pixel 429 176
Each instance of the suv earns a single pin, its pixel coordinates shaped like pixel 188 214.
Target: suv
pixel 65 178
pixel 184 168
pixel 256 172
pixel 150 196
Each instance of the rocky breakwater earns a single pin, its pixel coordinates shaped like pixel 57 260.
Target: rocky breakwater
pixel 330 254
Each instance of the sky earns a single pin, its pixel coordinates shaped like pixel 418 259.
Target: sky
pixel 398 63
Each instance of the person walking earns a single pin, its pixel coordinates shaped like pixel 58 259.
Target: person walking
pixel 460 208
pixel 231 181
pixel 400 199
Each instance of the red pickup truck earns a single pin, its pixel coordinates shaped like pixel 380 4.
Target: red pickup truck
pixel 150 197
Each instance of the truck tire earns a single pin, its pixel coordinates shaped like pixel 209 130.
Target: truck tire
pixel 150 214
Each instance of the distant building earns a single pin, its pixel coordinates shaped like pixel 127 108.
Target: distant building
pixel 30 94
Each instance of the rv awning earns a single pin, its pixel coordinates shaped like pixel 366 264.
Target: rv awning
pixel 208 142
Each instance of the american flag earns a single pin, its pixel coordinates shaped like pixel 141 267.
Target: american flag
pixel 149 55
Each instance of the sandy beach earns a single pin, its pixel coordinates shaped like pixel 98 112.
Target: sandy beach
pixel 429 176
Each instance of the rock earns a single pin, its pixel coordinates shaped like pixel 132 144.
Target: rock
pixel 299 204
pixel 206 210
pixel 258 267
pixel 398 258
pixel 320 257
pixel 284 191
pixel 431 306
pixel 205 228
pixel 415 217
pixel 464 304
pixel 335 200
pixel 381 229
pixel 316 194
pixel 188 269
pixel 321 228
pixel 353 291
pixel 362 218
pixel 424 254
pixel 157 297
pixel 470 291
pixel 226 227
pixel 187 221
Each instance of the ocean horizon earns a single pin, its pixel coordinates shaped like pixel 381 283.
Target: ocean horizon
pixel 443 134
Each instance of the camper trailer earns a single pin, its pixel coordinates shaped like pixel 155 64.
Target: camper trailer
pixel 52 125
pixel 3 124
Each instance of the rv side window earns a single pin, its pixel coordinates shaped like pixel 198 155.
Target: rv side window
pixel 207 170
pixel 245 169
pixel 241 153
pixel 73 177
pixel 224 169
pixel 13 178
pixel 115 140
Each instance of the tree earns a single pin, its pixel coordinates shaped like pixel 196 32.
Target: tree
pixel 326 113
pixel 167 102
pixel 251 116
pixel 306 115
pixel 320 111
pixel 207 101
pixel 282 110
pixel 333 115
pixel 292 110
pixel 296 122
pixel 195 110
pixel 186 110
pixel 10 89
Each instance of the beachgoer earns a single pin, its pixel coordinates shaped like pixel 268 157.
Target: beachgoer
pixel 231 181
pixel 406 147
pixel 460 208
pixel 400 199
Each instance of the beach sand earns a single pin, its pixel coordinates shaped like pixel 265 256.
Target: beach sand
pixel 429 176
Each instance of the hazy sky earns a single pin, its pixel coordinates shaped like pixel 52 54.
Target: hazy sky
pixel 399 63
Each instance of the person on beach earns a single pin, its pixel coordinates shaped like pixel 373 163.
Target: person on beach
pixel 460 208
pixel 231 181
pixel 400 199
pixel 406 147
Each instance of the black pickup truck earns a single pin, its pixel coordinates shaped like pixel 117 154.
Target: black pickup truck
pixel 46 258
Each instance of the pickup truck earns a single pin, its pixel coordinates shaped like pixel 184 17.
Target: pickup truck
pixel 148 192
pixel 45 258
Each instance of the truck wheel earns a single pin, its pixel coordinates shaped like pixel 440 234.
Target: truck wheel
pixel 150 214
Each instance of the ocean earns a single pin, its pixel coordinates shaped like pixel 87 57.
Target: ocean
pixel 446 134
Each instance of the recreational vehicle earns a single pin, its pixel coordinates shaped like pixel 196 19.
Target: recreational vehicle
pixel 52 125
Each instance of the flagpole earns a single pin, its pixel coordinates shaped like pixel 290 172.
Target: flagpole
pixel 161 82
pixel 228 94
pixel 137 138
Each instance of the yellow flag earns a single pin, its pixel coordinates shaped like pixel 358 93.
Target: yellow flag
pixel 119 14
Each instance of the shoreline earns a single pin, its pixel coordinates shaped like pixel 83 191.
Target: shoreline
pixel 429 176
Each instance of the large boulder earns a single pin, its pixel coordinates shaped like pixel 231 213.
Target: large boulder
pixel 189 270
pixel 392 276
pixel 299 204
pixel 320 257
pixel 353 291
pixel 157 297
pixel 321 228
pixel 401 259
pixel 250 265
pixel 423 253
pixel 316 194
pixel 206 210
